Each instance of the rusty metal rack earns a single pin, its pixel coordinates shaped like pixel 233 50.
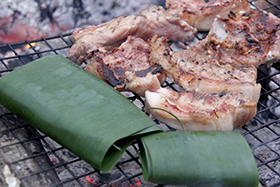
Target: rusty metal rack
pixel 36 160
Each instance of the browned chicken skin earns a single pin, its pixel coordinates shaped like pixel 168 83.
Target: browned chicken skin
pixel 201 13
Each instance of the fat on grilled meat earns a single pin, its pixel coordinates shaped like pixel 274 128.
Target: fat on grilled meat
pixel 201 13
pixel 153 20
pixel 127 67
pixel 223 111
pixel 196 70
pixel 246 38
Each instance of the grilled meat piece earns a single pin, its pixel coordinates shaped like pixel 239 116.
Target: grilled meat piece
pixel 127 67
pixel 196 70
pixel 245 38
pixel 201 13
pixel 153 20
pixel 223 111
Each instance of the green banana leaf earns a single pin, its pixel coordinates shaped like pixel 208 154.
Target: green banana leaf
pixel 76 109
pixel 198 159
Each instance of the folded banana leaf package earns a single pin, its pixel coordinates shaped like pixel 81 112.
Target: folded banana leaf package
pixel 76 109
pixel 97 123
pixel 212 158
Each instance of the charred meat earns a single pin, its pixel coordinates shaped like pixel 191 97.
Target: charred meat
pixel 196 70
pixel 245 38
pixel 201 13
pixel 127 67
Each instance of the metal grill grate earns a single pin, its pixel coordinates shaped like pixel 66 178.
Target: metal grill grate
pixel 36 160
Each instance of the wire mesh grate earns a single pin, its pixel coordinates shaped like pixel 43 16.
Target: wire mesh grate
pixel 36 160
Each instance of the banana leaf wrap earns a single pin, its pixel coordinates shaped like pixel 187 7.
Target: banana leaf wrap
pixel 207 159
pixel 75 108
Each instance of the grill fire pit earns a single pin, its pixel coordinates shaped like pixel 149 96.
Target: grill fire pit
pixel 30 158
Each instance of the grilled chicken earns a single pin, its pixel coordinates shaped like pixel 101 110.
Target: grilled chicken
pixel 153 20
pixel 196 70
pixel 127 67
pixel 245 38
pixel 201 13
pixel 223 111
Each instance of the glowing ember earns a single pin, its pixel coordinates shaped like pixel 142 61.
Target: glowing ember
pixel 91 180
pixel 138 183
pixel 53 159
pixel 29 45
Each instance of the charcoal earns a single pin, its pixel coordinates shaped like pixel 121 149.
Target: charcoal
pixel 21 153
pixel 32 19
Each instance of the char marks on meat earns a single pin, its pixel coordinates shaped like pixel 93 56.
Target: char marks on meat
pixel 195 70
pixel 225 60
pixel 223 111
pixel 201 13
pixel 246 38
pixel 127 67
pixel 153 20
